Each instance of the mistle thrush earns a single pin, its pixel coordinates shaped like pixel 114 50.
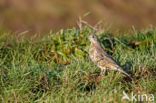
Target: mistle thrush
pixel 101 58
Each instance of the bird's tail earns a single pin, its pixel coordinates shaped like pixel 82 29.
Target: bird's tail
pixel 121 70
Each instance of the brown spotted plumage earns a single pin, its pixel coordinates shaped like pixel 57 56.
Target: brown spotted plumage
pixel 101 58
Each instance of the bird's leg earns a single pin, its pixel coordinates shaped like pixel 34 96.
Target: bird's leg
pixel 103 71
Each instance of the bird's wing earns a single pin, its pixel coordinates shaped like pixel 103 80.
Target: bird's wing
pixel 102 54
pixel 107 61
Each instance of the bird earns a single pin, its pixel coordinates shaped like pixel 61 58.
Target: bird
pixel 101 58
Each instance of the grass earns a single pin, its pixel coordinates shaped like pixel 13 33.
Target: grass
pixel 57 68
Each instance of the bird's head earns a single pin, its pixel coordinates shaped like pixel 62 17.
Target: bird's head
pixel 93 38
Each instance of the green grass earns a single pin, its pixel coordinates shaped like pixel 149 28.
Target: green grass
pixel 58 69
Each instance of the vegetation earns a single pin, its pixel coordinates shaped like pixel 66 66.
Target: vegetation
pixel 58 69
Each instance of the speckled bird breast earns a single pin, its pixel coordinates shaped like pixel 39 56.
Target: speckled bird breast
pixel 93 53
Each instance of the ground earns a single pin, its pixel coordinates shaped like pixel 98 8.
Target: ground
pixel 57 68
